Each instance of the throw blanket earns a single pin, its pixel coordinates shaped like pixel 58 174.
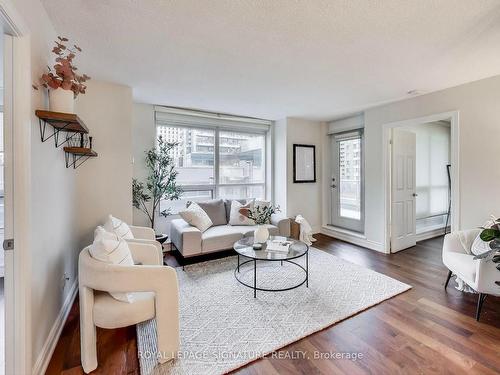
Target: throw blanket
pixel 305 230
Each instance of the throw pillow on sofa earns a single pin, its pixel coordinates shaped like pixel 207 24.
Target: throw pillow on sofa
pixel 109 248
pixel 195 215
pixel 216 211
pixel 120 228
pixel 236 217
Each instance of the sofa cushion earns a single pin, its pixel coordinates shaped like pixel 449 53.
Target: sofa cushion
pixel 227 203
pixel 247 230
pixel 221 237
pixel 215 210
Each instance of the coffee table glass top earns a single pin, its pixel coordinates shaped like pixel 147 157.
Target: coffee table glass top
pixel 245 248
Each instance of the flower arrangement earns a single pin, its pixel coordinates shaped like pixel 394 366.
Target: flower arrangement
pixel 261 214
pixel 64 75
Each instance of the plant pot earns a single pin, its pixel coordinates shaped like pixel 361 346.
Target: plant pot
pixel 261 234
pixel 161 238
pixel 61 101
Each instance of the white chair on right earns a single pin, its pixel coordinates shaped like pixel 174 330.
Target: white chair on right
pixel 481 274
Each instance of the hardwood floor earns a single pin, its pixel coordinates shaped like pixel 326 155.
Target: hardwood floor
pixel 425 330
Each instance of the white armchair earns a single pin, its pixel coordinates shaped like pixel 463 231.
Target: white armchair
pixel 479 274
pixel 156 294
pixel 144 235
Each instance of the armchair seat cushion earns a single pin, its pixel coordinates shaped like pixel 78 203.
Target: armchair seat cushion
pixel 111 313
pixel 462 265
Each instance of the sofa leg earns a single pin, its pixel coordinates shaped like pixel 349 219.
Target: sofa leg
pixel 448 279
pixel 480 301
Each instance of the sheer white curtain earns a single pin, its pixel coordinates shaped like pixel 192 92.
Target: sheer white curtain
pixel 433 155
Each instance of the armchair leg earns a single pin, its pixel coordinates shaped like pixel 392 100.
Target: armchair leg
pixel 88 343
pixel 448 279
pixel 167 326
pixel 480 301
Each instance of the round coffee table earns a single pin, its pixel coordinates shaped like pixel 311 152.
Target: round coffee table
pixel 297 249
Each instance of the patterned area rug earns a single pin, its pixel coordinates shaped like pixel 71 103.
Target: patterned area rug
pixel 223 327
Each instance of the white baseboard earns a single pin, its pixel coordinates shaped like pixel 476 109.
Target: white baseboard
pixel 352 237
pixel 431 234
pixel 50 343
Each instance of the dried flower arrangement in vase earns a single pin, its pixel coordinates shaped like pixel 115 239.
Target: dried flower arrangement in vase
pixel 63 82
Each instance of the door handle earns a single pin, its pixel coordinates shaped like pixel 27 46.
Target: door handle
pixel 415 194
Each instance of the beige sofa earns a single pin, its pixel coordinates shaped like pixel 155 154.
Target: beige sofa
pixel 221 236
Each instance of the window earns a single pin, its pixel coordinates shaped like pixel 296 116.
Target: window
pixel 216 161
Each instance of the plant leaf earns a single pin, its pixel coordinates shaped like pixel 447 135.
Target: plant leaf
pixel 489 234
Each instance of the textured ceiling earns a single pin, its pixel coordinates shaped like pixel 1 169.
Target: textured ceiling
pixel 274 58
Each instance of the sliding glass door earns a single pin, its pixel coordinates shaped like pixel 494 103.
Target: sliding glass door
pixel 347 182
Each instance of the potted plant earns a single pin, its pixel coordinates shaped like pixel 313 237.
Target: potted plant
pixel 160 183
pixel 62 81
pixel 491 233
pixel 261 215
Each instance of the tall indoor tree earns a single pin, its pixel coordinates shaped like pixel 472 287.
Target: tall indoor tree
pixel 160 184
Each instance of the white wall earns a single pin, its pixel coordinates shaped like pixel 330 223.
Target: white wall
pixel 479 127
pixel 104 184
pixel 301 198
pixel 280 163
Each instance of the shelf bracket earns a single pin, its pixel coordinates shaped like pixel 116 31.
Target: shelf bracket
pixel 75 161
pixel 55 133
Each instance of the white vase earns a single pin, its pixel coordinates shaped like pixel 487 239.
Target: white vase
pixel 61 101
pixel 261 234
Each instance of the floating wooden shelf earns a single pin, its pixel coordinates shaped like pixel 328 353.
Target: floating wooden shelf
pixel 81 151
pixel 60 122
pixel 74 127
pixel 76 156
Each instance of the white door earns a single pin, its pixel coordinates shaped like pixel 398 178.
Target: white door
pixel 347 181
pixel 403 190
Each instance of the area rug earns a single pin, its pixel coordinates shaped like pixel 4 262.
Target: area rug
pixel 223 327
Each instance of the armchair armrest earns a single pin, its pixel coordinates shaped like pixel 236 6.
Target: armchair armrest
pixel 118 278
pixel 460 241
pixel 145 253
pixel 144 233
pixel 283 224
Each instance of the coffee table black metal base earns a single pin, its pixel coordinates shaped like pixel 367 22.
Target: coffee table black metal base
pixel 256 288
